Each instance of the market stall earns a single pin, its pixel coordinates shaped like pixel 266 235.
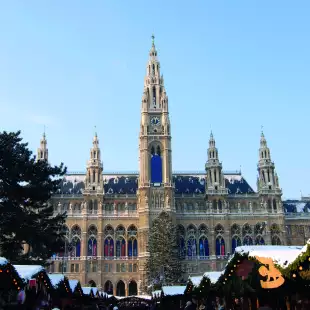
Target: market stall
pixel 61 294
pixel 11 285
pixel 254 276
pixel 38 287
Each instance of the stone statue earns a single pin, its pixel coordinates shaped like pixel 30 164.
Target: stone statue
pixel 265 205
pixel 126 205
pixel 250 205
pixel 239 207
pixel 59 205
pixel 70 206
pixel 146 199
pixel 167 200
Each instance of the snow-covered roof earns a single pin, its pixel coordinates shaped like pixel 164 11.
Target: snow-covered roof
pixel 56 279
pixel 73 284
pixel 213 275
pixel 196 280
pixel 86 290
pixel 3 261
pixel 26 272
pixel 281 255
pixel 156 293
pixel 173 290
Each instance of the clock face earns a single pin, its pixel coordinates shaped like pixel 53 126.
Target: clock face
pixel 155 121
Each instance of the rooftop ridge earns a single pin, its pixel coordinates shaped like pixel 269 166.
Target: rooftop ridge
pixel 229 172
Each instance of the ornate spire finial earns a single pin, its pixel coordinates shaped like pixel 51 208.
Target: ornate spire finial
pixel 262 130
pixel 153 40
pixel 44 132
pixel 95 131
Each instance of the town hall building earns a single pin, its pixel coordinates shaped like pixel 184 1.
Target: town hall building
pixel 110 215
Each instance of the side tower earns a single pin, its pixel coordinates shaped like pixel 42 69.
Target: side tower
pixel 94 179
pixel 42 152
pixel 270 195
pixel 155 189
pixel 216 191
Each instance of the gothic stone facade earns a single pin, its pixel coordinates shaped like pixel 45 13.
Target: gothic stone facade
pixel 109 215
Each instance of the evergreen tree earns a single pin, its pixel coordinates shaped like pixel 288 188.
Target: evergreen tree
pixel 26 185
pixel 163 265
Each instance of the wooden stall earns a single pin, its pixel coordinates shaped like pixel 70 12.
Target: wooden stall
pixel 11 284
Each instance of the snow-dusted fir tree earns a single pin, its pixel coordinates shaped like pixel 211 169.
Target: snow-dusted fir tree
pixel 163 266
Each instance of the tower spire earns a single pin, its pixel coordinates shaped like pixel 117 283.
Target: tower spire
pixel 42 152
pixel 94 180
pixel 215 178
pixel 268 179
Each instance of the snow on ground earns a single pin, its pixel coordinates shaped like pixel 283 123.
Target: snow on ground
pixel 173 290
pixel 281 255
pixel 26 272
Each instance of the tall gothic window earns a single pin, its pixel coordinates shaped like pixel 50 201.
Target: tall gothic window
pixel 154 97
pixel 156 166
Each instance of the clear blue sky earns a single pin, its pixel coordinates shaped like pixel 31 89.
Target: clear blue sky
pixel 229 65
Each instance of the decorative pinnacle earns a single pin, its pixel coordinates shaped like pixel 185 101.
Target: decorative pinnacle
pixel 153 40
pixel 44 132
pixel 95 131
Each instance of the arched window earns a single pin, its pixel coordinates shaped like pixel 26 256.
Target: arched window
pixel 156 166
pixel 235 242
pixel 108 287
pixel 92 247
pixel 76 247
pixel 120 247
pixel 191 247
pixel 275 240
pixel 108 247
pixel 259 240
pixel 92 241
pixel 133 288
pixel 120 289
pixel 220 246
pixel 133 247
pixel 182 247
pixel 154 97
pixel 203 247
pixel 153 69
pixel 247 240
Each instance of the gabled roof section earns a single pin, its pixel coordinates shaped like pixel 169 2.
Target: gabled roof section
pixel 186 183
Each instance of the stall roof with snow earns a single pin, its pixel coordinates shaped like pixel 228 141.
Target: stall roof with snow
pixel 281 255
pixel 173 290
pixel 27 272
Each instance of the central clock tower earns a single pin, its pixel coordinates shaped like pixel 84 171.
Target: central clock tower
pixel 155 136
pixel 155 190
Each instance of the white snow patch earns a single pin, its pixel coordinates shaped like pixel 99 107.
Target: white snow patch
pixel 56 279
pixel 173 290
pixel 3 261
pixel 300 206
pixel 232 178
pixel 196 280
pixel 86 290
pixel 213 275
pixel 156 293
pixel 73 284
pixel 281 255
pixel 26 272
